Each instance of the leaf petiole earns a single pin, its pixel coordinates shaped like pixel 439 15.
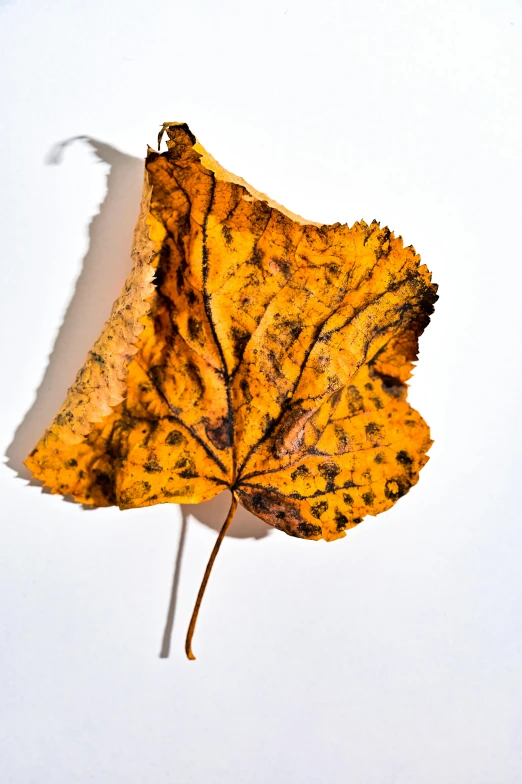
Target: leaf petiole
pixel 201 592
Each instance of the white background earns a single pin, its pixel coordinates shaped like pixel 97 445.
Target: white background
pixel 394 655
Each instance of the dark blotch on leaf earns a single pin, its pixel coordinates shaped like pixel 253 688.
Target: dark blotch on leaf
pixel 307 530
pixel 174 438
pixel 227 234
pixel 195 329
pixel 300 471
pixel 329 470
pixel 340 520
pixel 219 435
pixel 105 482
pixel 372 429
pixel 355 400
pixel 239 338
pixel 152 466
pixel 395 488
pixel 319 508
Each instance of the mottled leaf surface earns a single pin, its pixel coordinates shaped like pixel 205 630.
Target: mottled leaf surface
pixel 253 350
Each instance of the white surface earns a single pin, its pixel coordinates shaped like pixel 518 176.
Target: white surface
pixel 392 656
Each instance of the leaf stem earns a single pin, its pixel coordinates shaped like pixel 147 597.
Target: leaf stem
pixel 213 554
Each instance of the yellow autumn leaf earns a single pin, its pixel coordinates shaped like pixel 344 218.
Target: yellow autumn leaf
pixel 251 350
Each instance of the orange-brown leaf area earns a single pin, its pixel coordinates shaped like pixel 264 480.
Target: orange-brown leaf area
pixel 250 350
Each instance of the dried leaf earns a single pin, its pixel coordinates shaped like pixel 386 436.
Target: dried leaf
pixel 251 350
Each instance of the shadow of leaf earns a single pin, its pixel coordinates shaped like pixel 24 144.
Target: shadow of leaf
pixel 105 268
